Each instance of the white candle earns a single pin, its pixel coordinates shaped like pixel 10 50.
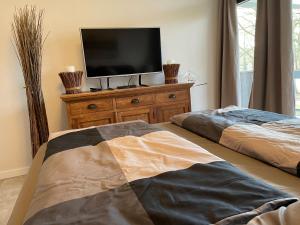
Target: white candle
pixel 170 61
pixel 70 69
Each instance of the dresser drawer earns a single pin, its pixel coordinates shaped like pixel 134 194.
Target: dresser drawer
pixel 172 96
pixel 140 100
pixel 90 106
pixel 93 119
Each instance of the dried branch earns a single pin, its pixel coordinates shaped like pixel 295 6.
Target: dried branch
pixel 27 33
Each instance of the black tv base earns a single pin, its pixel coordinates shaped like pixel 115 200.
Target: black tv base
pixel 126 86
pixel 122 87
pixel 95 89
pixel 140 82
pixel 107 82
pixel 134 86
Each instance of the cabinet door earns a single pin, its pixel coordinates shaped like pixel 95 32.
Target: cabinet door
pixel 93 119
pixel 136 101
pixel 145 114
pixel 164 113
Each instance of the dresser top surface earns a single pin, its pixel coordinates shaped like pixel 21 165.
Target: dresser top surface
pixel 125 92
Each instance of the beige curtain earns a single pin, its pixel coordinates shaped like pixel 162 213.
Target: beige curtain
pixel 273 85
pixel 228 56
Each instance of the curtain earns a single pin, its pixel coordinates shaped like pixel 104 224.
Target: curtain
pixel 273 84
pixel 228 56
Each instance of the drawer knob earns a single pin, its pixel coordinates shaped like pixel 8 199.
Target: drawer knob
pixel 135 101
pixel 172 96
pixel 92 106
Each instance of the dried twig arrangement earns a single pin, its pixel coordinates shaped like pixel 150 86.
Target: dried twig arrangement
pixel 28 39
pixel 171 73
pixel 72 81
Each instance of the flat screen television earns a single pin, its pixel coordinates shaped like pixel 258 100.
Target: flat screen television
pixel 122 51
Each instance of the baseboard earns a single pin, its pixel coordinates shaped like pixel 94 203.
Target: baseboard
pixel 13 173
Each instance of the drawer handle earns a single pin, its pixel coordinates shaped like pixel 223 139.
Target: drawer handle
pixel 172 96
pixel 92 106
pixel 135 101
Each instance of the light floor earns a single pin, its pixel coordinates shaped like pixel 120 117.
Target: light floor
pixel 9 191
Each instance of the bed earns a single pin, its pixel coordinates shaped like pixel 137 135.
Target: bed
pixel 280 180
pixel 270 137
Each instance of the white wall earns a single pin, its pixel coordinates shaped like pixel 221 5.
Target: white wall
pixel 188 31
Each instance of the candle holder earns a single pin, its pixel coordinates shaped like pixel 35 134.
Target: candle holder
pixel 171 73
pixel 72 81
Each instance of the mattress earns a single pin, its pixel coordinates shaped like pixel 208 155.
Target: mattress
pixel 279 179
pixel 267 136
pixel 260 170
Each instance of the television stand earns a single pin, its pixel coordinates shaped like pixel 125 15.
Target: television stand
pixel 126 86
pixel 97 89
pixel 140 82
pixel 107 82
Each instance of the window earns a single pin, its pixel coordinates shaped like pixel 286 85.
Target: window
pixel 296 43
pixel 246 12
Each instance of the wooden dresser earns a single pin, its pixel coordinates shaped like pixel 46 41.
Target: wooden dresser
pixel 153 104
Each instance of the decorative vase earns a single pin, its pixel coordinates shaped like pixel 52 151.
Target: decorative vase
pixel 171 73
pixel 72 81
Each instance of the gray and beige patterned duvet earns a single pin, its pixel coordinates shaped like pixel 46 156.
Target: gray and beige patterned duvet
pixel 135 174
pixel 270 137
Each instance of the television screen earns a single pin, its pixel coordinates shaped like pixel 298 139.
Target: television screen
pixel 122 51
